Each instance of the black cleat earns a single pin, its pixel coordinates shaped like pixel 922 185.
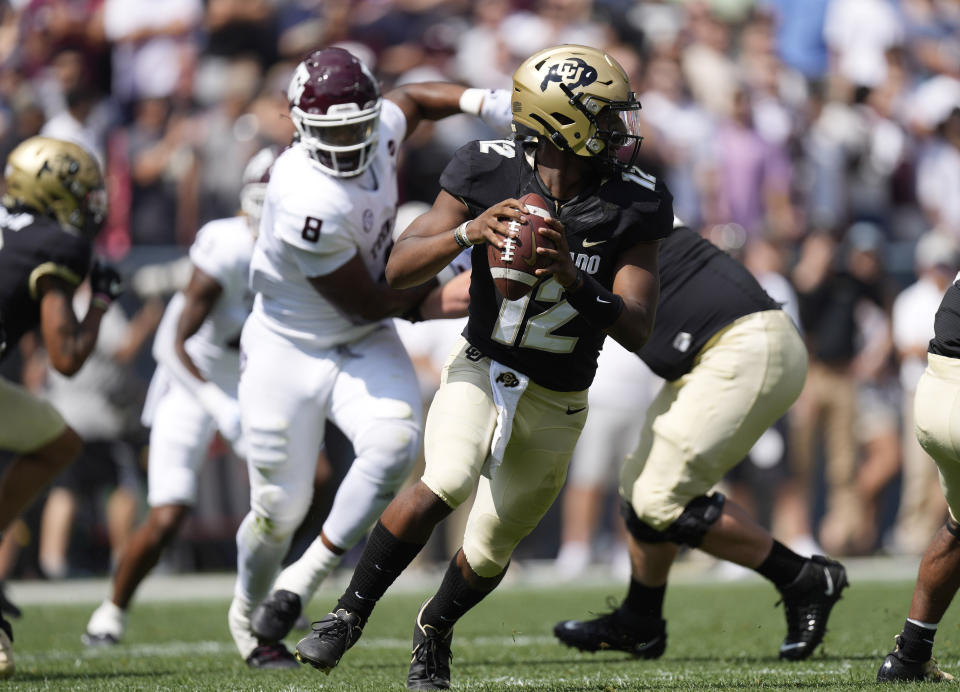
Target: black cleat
pixel 808 601
pixel 643 637
pixel 273 619
pixel 430 660
pixel 332 635
pixel 272 657
pixel 7 607
pixel 898 668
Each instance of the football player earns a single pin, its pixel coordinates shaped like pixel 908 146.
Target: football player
pixel 513 394
pixel 53 207
pixel 734 363
pixel 936 407
pixel 193 393
pixel 318 344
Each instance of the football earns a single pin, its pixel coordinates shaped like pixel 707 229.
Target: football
pixel 513 267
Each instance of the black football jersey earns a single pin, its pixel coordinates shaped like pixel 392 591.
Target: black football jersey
pixel 31 247
pixel 541 335
pixel 946 324
pixel 702 289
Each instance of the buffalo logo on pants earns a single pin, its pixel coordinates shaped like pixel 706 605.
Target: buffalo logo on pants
pixel 508 379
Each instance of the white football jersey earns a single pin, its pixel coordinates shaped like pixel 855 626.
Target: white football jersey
pixel 222 250
pixel 312 225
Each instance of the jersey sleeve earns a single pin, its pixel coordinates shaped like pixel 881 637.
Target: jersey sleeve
pixel 62 255
pixel 213 252
pixel 650 211
pixel 468 174
pixel 320 241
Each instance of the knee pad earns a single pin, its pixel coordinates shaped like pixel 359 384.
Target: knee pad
pixel 489 542
pixel 387 450
pixel 278 512
pixel 687 529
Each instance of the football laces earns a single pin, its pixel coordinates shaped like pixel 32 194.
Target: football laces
pixel 510 244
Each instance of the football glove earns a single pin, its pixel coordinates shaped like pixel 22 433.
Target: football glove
pixel 224 409
pixel 106 284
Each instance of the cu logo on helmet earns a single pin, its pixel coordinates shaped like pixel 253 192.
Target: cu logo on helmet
pixel 574 71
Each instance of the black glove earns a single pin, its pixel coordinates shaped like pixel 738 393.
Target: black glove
pixel 106 284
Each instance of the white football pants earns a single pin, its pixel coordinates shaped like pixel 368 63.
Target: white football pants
pixel 369 390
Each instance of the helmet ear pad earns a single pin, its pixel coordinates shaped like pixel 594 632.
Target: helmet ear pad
pixel 335 107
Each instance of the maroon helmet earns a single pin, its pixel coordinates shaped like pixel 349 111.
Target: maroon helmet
pixel 335 107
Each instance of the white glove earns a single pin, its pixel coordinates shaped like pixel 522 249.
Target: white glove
pixel 497 111
pixel 492 105
pixel 225 411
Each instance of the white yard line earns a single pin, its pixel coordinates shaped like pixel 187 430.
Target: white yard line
pixel 532 575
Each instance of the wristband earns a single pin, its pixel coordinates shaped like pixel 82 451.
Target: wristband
pixel 460 235
pixel 471 100
pixel 101 300
pixel 599 306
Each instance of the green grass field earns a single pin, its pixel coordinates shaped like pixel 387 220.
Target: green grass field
pixel 722 636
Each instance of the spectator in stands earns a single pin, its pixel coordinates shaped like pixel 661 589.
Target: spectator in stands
pixel 829 294
pixel 922 507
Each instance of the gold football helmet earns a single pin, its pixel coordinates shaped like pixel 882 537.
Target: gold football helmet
pixel 580 99
pixel 58 179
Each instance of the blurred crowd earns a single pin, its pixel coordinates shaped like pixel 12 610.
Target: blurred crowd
pixel 817 140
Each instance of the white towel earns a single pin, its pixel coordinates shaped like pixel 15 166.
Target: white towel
pixel 508 386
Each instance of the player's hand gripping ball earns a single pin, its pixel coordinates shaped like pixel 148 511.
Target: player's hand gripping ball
pixel 513 266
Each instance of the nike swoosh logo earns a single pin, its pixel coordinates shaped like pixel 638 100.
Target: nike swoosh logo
pixel 829 589
pixel 601 300
pixel 588 243
pixel 532 259
pixel 571 411
pixel 362 598
pixel 788 647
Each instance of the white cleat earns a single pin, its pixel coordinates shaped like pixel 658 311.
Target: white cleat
pixel 107 625
pixel 238 618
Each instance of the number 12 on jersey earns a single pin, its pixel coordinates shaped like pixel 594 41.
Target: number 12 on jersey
pixel 539 330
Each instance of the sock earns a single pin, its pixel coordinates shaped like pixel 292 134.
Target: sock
pixel 644 601
pixel 452 600
pixel 782 565
pixel 258 559
pixel 916 641
pixel 304 576
pixel 384 558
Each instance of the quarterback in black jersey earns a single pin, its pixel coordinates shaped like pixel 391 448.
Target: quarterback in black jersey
pixel 53 207
pixel 936 408
pixel 733 363
pixel 512 399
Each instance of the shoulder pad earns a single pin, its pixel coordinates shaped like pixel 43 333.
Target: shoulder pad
pixel 468 174
pixel 646 202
